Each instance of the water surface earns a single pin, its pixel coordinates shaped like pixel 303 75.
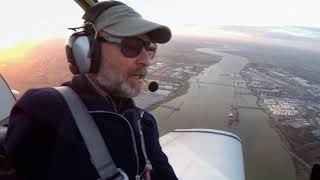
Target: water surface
pixel 207 106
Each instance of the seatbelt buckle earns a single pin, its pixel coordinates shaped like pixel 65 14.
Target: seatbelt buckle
pixel 123 174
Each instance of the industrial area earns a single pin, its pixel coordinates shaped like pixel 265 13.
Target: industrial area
pixel 172 79
pixel 292 103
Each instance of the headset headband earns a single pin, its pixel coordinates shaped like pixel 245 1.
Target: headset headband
pixel 83 49
pixel 93 12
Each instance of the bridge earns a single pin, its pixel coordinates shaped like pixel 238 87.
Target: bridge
pixel 250 107
pixel 244 93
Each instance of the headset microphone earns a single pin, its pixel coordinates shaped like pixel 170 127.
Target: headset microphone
pixel 152 86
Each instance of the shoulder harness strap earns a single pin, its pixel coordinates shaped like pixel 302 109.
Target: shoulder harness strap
pixel 99 153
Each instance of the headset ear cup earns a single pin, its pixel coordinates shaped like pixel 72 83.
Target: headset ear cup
pixel 73 68
pixel 83 51
pixel 77 50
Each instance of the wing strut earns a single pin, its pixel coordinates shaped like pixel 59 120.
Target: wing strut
pixel 86 4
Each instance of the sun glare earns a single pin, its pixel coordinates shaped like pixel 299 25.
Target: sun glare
pixel 18 52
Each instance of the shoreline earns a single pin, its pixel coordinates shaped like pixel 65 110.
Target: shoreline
pixel 302 169
pixel 181 91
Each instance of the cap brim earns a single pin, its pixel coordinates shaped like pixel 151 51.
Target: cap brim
pixel 136 26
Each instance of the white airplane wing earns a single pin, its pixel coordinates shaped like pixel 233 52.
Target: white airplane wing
pixel 204 154
pixel 7 100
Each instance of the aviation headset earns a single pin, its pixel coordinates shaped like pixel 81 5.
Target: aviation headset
pixel 83 48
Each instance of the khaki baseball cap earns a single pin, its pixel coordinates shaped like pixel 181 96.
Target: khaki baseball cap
pixel 123 21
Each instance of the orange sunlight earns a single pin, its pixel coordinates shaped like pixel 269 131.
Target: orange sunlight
pixel 18 52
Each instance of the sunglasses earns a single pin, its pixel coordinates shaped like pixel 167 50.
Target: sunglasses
pixel 131 47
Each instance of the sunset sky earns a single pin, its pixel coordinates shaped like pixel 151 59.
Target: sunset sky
pixel 30 19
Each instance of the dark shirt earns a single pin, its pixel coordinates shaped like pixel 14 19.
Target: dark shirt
pixel 43 141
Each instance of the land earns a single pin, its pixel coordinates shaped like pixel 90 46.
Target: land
pixel 286 82
pixel 292 104
pixel 172 79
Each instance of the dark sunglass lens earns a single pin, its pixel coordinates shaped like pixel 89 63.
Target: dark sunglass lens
pixel 131 47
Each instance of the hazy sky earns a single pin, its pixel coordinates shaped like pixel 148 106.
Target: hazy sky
pixel 30 19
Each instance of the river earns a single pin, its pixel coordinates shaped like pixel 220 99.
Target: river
pixel 207 106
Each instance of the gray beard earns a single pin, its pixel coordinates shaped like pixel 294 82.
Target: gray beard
pixel 116 83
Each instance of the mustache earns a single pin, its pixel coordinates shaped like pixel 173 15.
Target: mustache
pixel 140 72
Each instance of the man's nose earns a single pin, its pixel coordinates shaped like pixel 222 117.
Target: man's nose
pixel 144 58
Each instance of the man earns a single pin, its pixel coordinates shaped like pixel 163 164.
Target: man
pixel 43 141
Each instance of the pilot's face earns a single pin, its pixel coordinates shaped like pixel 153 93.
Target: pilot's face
pixel 123 76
